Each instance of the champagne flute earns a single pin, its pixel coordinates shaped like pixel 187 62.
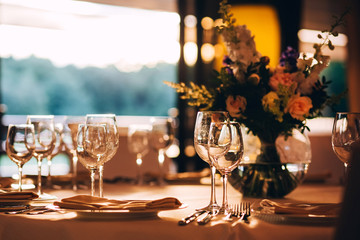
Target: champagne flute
pixel 57 149
pixel 69 138
pixel 112 139
pixel 20 144
pixel 226 163
pixel 138 142
pixel 44 142
pixel 201 139
pixel 160 138
pixel 346 132
pixel 91 146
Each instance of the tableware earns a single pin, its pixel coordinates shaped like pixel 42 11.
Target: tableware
pixel 20 144
pixel 231 149
pixel 69 138
pixel 206 218
pixel 91 146
pixel 346 132
pixel 192 217
pixel 112 141
pixel 242 211
pixel 160 138
pixel 58 127
pixel 44 141
pixel 201 137
pixel 138 143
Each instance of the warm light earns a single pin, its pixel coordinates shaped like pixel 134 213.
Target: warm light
pixel 207 52
pixel 207 23
pixel 189 151
pixel 310 36
pixel 218 22
pixel 173 151
pixel 190 53
pixel 190 21
pixel 219 50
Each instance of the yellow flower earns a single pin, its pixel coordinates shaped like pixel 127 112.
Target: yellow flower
pixel 271 103
pixel 235 106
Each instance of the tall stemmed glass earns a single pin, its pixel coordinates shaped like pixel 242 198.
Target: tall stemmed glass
pixel 138 143
pixel 112 141
pixel 20 144
pixel 57 149
pixel 346 132
pixel 91 146
pixel 201 139
pixel 226 163
pixel 69 138
pixel 44 142
pixel 160 138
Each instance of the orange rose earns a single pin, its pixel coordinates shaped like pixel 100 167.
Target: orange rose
pixel 235 106
pixel 285 79
pixel 298 107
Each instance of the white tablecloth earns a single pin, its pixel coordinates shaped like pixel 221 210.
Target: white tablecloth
pixel 57 226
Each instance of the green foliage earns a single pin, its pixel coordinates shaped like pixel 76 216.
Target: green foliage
pixel 36 86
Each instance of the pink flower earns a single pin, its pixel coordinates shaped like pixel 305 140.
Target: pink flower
pixel 299 107
pixel 285 79
pixel 235 106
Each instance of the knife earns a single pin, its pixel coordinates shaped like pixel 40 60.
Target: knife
pixel 204 220
pixel 191 218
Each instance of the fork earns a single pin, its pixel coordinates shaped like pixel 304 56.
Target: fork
pixel 242 211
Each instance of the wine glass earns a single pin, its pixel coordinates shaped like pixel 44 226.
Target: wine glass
pixel 69 139
pixel 346 132
pixel 20 144
pixel 160 138
pixel 201 139
pixel 91 146
pixel 112 139
pixel 57 149
pixel 138 142
pixel 226 163
pixel 44 142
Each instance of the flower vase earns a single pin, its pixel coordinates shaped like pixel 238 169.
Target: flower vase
pixel 277 169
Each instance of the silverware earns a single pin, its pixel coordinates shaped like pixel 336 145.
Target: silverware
pixel 28 209
pixel 191 218
pixel 242 211
pixel 207 217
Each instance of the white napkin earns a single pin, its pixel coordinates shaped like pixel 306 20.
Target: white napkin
pixel 97 203
pixel 300 208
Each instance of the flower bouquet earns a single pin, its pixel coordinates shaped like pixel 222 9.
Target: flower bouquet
pixel 268 102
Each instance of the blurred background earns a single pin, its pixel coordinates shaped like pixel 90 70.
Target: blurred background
pixel 65 57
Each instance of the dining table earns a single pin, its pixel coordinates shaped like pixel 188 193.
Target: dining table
pixel 163 224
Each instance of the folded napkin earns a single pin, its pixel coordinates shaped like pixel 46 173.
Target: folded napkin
pixel 300 208
pixel 86 202
pixel 18 195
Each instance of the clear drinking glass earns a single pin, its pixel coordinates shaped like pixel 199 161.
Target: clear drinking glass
pixel 226 163
pixel 201 139
pixel 91 146
pixel 57 149
pixel 69 138
pixel 160 138
pixel 112 143
pixel 346 132
pixel 44 142
pixel 20 144
pixel 138 143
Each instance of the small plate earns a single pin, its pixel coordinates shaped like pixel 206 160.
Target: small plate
pixel 120 214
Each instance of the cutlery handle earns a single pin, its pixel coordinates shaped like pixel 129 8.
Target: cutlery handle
pixel 190 218
pixel 205 219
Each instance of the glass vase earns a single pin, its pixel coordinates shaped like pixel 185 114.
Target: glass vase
pixel 272 169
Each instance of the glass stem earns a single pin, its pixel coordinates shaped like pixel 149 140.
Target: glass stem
pixel 74 174
pixel 225 199
pixel 39 188
pixel 101 180
pixel 92 175
pixel 161 160
pixel 212 179
pixel 48 179
pixel 140 179
pixel 20 177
